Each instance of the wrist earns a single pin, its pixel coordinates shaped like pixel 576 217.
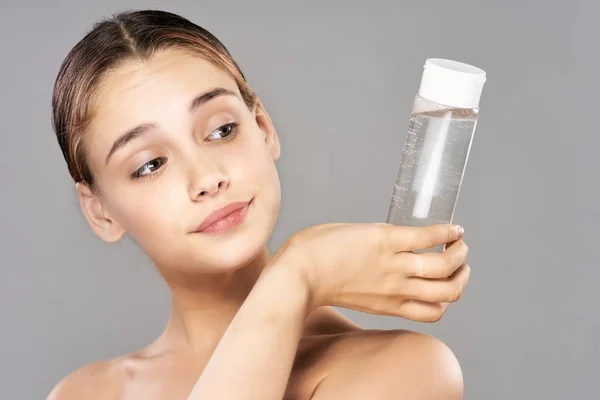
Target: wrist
pixel 291 285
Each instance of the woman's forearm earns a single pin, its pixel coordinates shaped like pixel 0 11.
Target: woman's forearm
pixel 254 358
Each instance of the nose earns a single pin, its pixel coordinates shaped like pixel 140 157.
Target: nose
pixel 207 181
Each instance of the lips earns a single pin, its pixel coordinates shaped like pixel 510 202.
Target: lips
pixel 224 218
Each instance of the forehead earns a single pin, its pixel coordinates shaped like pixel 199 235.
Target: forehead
pixel 155 90
pixel 167 73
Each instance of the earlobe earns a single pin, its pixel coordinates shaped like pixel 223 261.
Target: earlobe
pixel 99 219
pixel 268 129
pixel 272 141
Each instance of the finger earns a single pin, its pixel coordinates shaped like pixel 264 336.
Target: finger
pixel 421 311
pixel 436 265
pixel 446 290
pixel 404 238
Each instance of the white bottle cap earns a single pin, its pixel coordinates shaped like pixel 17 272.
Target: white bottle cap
pixel 452 83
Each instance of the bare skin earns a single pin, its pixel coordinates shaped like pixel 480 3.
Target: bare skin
pixel 388 364
pixel 245 325
pixel 143 375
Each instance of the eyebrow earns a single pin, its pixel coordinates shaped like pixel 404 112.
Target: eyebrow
pixel 144 128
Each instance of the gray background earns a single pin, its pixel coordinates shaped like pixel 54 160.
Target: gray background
pixel 338 78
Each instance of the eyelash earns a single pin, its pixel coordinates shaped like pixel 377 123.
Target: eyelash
pixel 233 130
pixel 138 174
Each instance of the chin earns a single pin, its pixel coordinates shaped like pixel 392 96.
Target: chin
pixel 234 253
pixel 229 252
pixel 219 259
pixel 225 251
pixel 237 260
pixel 242 245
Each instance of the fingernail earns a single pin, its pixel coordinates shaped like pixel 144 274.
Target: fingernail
pixel 460 230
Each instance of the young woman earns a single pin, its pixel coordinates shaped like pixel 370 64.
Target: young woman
pixel 168 144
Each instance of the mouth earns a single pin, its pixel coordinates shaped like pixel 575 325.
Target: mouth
pixel 224 219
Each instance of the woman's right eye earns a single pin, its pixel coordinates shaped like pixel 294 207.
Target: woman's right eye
pixel 149 168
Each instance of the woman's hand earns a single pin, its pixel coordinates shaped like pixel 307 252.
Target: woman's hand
pixel 373 267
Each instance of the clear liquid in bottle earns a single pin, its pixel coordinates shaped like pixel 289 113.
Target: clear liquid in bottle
pixel 433 162
pixel 437 147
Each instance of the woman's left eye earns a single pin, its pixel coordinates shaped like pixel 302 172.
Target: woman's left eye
pixel 224 132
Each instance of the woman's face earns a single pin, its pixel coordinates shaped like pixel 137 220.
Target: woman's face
pixel 171 141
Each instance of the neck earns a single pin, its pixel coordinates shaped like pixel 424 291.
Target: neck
pixel 202 311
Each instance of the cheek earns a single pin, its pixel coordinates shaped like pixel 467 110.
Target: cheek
pixel 149 214
pixel 251 163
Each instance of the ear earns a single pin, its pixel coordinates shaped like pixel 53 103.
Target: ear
pixel 99 219
pixel 266 126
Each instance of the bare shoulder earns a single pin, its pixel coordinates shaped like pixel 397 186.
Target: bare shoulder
pixel 98 380
pixel 327 320
pixel 387 365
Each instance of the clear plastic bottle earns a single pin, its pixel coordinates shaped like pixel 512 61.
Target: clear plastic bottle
pixel 437 147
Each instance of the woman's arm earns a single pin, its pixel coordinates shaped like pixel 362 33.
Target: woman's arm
pixel 254 358
pixel 367 267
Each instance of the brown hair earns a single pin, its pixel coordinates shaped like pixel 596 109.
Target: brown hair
pixel 132 35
